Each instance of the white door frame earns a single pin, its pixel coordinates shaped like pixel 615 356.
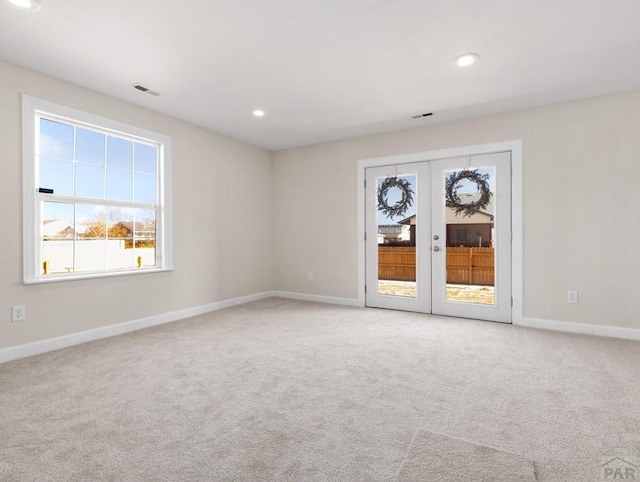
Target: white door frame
pixel 515 147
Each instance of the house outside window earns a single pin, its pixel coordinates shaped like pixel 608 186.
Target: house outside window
pixel 96 195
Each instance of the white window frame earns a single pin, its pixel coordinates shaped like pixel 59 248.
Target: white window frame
pixel 32 109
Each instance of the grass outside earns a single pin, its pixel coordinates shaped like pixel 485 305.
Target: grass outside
pixel 467 293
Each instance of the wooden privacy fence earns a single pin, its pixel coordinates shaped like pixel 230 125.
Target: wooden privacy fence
pixel 397 263
pixel 473 266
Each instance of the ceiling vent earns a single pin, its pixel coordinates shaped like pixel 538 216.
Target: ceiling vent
pixel 142 88
pixel 420 116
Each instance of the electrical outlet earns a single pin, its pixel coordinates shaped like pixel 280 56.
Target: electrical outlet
pixel 572 296
pixel 18 313
pixel 310 276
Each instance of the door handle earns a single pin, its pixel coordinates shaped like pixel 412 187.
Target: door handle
pixel 436 248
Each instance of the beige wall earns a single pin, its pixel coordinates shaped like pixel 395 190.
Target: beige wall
pixel 222 218
pixel 581 193
pixel 580 220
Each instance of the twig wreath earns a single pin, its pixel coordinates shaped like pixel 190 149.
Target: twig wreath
pixel 400 207
pixel 451 187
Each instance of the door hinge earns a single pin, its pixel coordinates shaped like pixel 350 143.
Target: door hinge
pixel 512 302
pixel 365 236
pixel 365 183
pixel 365 289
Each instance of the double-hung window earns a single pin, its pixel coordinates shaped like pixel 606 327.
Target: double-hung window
pixel 96 195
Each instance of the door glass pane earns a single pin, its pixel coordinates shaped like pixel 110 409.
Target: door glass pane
pixel 470 220
pixel 396 219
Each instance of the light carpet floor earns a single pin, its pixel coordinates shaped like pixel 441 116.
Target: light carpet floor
pixel 433 456
pixel 286 390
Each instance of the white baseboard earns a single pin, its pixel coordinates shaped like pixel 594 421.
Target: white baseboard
pixel 581 328
pixel 317 298
pixel 35 348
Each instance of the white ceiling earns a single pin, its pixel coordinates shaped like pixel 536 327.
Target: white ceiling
pixel 330 69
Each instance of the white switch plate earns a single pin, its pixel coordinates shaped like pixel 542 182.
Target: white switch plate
pixel 572 296
pixel 309 276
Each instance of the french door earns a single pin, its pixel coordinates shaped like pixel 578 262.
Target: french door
pixel 438 236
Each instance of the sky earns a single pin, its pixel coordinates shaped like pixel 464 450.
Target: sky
pixel 75 161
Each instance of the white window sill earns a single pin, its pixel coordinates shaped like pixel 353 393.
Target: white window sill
pixel 85 276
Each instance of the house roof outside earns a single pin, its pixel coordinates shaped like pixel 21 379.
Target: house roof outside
pixel 466 198
pixel 390 229
pixel 61 228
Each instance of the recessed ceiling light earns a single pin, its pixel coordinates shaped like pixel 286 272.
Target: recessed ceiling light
pixel 27 4
pixel 258 113
pixel 465 60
